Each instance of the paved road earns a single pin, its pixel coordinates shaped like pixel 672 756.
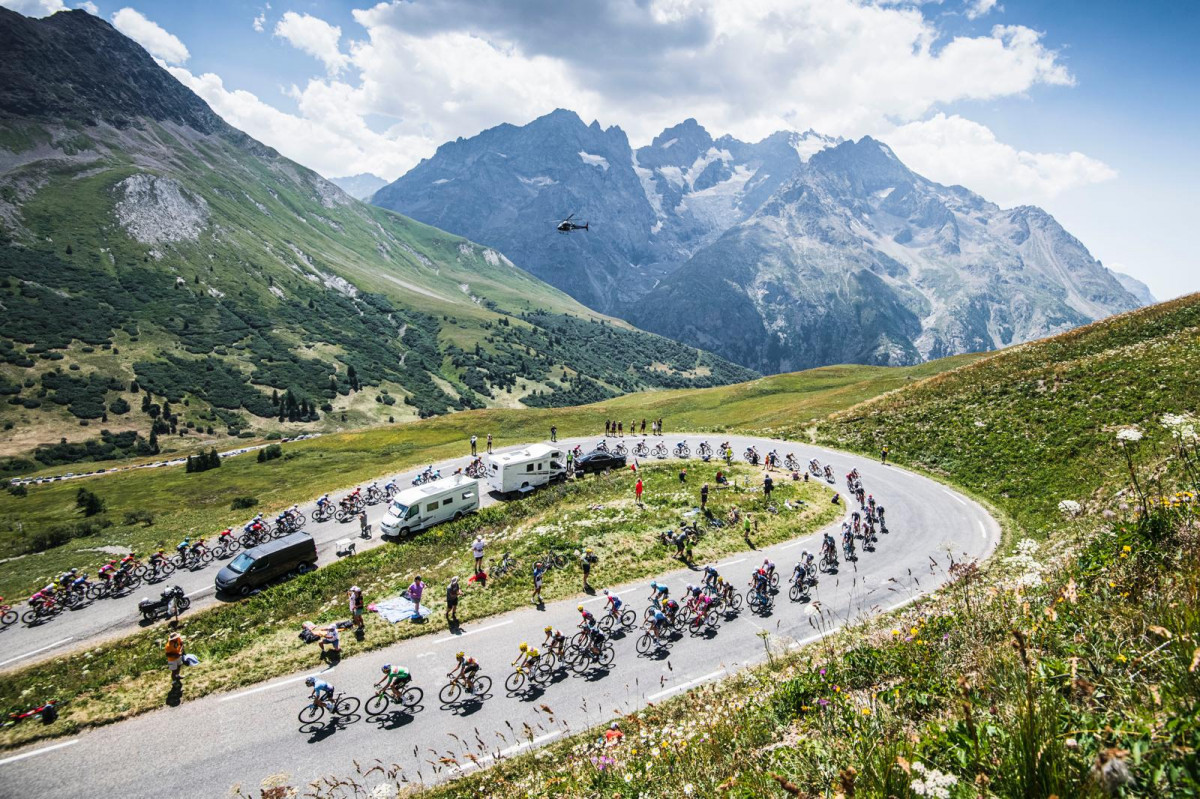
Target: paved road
pixel 203 747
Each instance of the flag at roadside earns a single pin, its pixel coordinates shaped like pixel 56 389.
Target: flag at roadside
pixel 633 467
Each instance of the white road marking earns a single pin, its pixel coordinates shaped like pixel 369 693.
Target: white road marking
pixel 200 591
pixel 954 496
pixel 731 562
pixel 472 632
pixel 41 751
pixel 426 654
pixel 34 652
pixel 683 686
pixel 279 684
pixel 593 599
pixel 794 544
pixel 982 529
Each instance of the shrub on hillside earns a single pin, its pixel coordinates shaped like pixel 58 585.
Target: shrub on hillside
pixel 242 503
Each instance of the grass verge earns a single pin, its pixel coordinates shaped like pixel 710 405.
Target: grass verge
pixel 249 641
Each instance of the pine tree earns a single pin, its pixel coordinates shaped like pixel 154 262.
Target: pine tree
pixel 153 441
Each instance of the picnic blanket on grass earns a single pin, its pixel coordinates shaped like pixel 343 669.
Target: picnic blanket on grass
pixel 400 608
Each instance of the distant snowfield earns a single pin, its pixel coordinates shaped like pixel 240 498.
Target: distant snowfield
pixel 594 160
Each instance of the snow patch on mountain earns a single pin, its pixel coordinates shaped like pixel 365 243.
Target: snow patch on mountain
pixel 543 180
pixel 594 160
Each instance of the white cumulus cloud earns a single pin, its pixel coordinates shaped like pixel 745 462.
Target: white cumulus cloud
pixel 260 22
pixel 978 8
pixel 314 36
pixel 951 149
pixel 150 35
pixel 34 8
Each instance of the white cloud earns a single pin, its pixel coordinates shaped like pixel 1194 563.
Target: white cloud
pixel 440 69
pixel 260 21
pixel 951 149
pixel 314 36
pixel 90 7
pixel 34 8
pixel 979 8
pixel 157 41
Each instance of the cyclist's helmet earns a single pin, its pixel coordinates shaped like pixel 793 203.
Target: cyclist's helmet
pixel 460 656
pixel 653 584
pixel 310 681
pixel 385 668
pixel 549 629
pixel 606 592
pixel 579 608
pixel 524 647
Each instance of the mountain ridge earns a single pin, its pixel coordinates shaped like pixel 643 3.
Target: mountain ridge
pixel 795 251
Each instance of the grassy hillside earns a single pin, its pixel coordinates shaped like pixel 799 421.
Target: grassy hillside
pixel 162 272
pixel 179 503
pixel 1069 666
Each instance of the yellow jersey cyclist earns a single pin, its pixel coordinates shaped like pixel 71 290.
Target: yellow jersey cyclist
pixel 528 658
pixel 394 680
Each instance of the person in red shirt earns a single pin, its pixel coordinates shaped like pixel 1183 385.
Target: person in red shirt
pixel 613 735
pixel 637 490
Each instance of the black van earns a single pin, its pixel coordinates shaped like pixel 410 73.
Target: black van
pixel 259 565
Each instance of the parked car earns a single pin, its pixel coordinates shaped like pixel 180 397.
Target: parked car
pixel 257 566
pixel 597 461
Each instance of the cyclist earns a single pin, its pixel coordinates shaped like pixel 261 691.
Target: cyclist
pixel 322 691
pixel 394 679
pixel 390 487
pixel 183 547
pixel 614 604
pixel 800 572
pixel 322 501
pixel 710 575
pixel 43 598
pixel 595 639
pixel 758 582
pixel 671 608
pixel 555 641
pixel 587 617
pixel 156 560
pixel 656 625
pixel 768 568
pixel 528 657
pixel 466 668
pixel 197 548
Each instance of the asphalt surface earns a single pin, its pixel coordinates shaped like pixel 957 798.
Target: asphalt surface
pixel 201 748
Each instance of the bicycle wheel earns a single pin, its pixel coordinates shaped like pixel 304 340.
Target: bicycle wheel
pixel 411 697
pixel 9 617
pixel 450 693
pixel 695 624
pixel 95 591
pixel 711 619
pixel 29 617
pixel 795 593
pixel 311 714
pixel 133 582
pixel 578 639
pixel 300 520
pixel 645 643
pixel 378 705
pixel 606 623
pixel 774 579
pixel 582 663
pixel 482 687
pixel 735 601
pixel 515 682
pixel 347 705
pixel 628 618
pixel 544 670
pixel 607 656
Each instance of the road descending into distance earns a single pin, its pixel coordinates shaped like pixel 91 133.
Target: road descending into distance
pixel 202 747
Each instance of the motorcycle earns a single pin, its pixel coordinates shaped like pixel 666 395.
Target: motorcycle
pixel 153 608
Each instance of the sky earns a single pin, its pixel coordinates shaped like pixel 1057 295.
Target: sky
pixel 1090 109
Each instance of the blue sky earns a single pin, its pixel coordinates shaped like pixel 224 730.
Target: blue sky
pixel 1089 109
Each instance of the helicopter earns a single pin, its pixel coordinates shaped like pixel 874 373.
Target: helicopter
pixel 566 226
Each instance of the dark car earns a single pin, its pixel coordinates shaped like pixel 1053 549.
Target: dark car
pixel 597 461
pixel 292 554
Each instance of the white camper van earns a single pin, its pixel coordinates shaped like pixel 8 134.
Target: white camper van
pixel 426 505
pixel 526 469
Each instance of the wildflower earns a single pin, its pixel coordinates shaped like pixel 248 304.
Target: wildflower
pixel 688 789
pixel 1126 548
pixel 1130 433
pixel 866 711
pixel 1182 427
pixel 1069 507
pixel 628 777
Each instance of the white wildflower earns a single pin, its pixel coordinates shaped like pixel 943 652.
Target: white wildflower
pixel 1182 427
pixel 1069 507
pixel 932 782
pixel 1129 434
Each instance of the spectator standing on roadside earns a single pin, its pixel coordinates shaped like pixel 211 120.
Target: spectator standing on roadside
pixel 586 561
pixel 660 427
pixel 414 593
pixel 356 607
pixel 643 427
pixel 704 497
pixel 553 433
pixel 474 439
pixel 883 454
pixel 489 442
pixel 620 429
pixel 174 653
pixel 607 427
pixel 768 487
pixel 637 491
pixel 452 592
pixel 477 550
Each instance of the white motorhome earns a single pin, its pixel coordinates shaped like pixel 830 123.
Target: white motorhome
pixel 426 505
pixel 525 469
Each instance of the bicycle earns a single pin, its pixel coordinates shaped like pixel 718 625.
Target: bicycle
pixel 374 495
pixel 536 675
pixel 407 699
pixel 40 613
pixel 481 686
pixel 640 449
pixel 799 590
pixel 554 560
pixel 340 706
pixel 619 449
pixel 323 512
pixel 829 562
pixel 499 568
pixel 626 619
pixel 659 451
pixel 708 619
pixel 704 450
pixel 7 614
pixel 584 657
pixel 760 601
pixel 791 464
pixel 648 642
pixel 682 450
